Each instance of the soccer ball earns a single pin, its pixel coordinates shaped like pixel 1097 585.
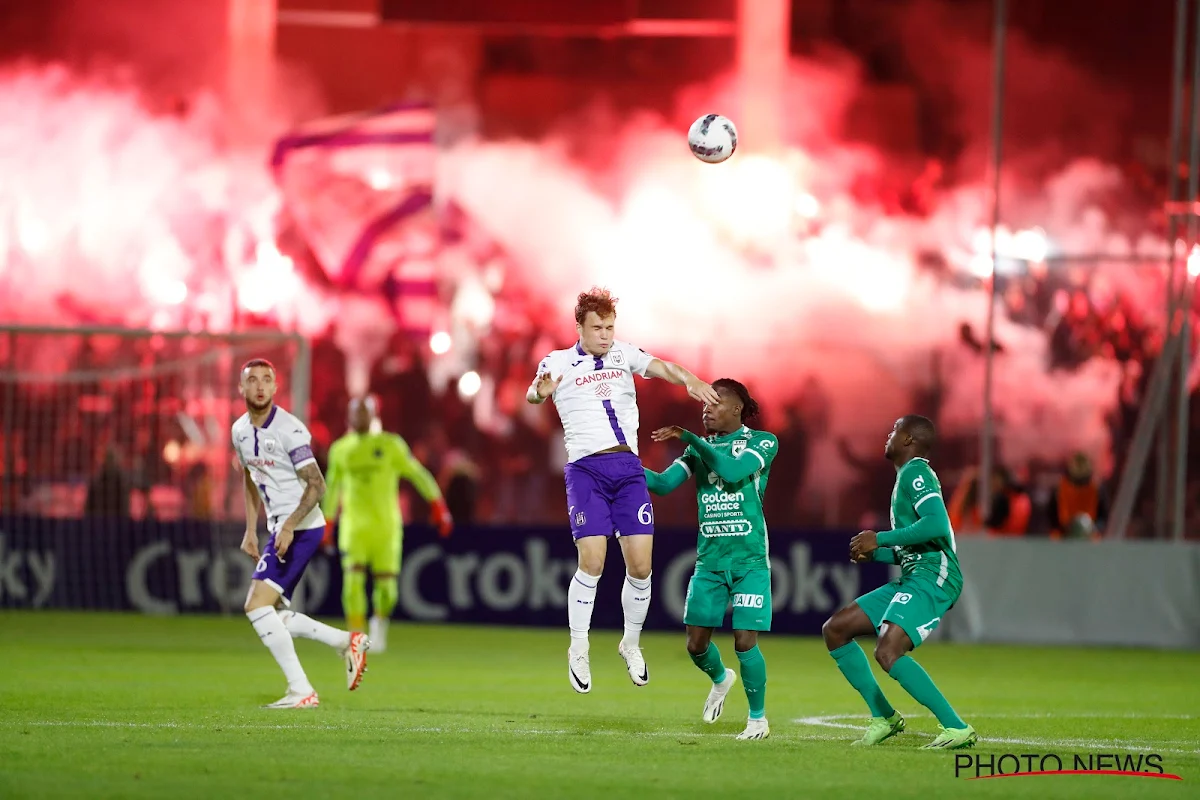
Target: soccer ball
pixel 713 138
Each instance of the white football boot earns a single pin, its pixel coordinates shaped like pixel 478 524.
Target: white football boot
pixel 296 700
pixel 755 729
pixel 635 663
pixel 715 703
pixel 579 670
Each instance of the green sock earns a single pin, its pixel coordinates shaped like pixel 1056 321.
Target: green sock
pixel 710 664
pixel 852 661
pixel 916 681
pixel 754 680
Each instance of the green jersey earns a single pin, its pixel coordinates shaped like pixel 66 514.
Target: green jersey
pixel 730 473
pixel 364 475
pixel 917 494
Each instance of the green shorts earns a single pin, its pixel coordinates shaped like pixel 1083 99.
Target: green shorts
pixel 378 550
pixel 710 593
pixel 914 602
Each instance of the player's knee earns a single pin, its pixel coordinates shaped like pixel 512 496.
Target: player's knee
pixel 834 633
pixel 886 655
pixel 639 572
pixel 697 642
pixel 745 640
pixel 591 565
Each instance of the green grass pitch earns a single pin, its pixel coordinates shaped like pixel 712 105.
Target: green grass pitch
pixel 109 705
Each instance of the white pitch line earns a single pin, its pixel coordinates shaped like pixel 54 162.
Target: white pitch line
pixel 1092 744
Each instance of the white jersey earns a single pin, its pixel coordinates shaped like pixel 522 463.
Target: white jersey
pixel 273 454
pixel 596 400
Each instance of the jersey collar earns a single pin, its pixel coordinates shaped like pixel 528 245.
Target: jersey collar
pixel 270 418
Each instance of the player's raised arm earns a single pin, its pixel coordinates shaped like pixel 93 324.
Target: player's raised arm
pixel 543 384
pixel 757 456
pixel 933 521
pixel 671 372
pixel 669 479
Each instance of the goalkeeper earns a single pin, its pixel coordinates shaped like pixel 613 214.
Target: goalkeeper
pixel 362 479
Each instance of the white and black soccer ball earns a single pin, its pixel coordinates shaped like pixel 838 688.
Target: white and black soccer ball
pixel 713 138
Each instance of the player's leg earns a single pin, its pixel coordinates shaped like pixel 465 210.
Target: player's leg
pixel 752 613
pixel 385 570
pixel 908 620
pixel 591 525
pixel 273 581
pixel 354 543
pixel 861 618
pixel 633 518
pixel 703 610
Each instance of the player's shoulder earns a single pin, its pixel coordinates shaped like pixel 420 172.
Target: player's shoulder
pixel 918 465
pixel 556 356
pixel 240 424
pixel 630 349
pixel 397 441
pixel 757 436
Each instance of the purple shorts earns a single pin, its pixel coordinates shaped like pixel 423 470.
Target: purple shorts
pixel 282 574
pixel 607 494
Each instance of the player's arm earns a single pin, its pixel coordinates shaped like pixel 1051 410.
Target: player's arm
pixel 543 384
pixel 757 456
pixel 933 521
pixel 671 478
pixel 299 446
pixel 426 485
pixel 884 555
pixel 333 484
pixel 671 372
pixel 250 495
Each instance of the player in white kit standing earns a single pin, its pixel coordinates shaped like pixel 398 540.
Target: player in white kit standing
pixel 275 450
pixel 593 391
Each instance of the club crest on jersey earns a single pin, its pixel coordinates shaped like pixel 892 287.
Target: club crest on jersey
pixel 738 448
pixel 269 445
pixel 617 358
pixel 580 519
pixel 603 390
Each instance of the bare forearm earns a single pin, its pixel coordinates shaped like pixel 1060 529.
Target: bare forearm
pixel 314 490
pixel 671 372
pixel 250 494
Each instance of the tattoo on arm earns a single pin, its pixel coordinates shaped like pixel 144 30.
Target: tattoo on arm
pixel 314 490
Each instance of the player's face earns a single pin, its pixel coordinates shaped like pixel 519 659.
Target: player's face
pixel 726 415
pixel 893 442
pixel 596 333
pixel 258 387
pixel 361 414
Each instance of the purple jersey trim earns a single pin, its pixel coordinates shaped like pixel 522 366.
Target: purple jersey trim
pixel 270 417
pixel 301 453
pixel 255 441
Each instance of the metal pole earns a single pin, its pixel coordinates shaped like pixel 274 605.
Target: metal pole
pixel 1179 495
pixel 1156 390
pixel 986 454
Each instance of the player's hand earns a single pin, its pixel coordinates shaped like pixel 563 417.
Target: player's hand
pixel 283 540
pixel 442 519
pixel 862 545
pixel 250 544
pixel 667 434
pixel 546 385
pixel 699 390
pixel 327 539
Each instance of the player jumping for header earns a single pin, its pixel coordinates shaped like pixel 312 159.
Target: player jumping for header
pixel 275 450
pixel 730 466
pixel 904 611
pixel 365 468
pixel 593 391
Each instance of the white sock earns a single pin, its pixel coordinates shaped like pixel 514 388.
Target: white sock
pixel 305 627
pixel 379 628
pixel 581 599
pixel 635 601
pixel 275 636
